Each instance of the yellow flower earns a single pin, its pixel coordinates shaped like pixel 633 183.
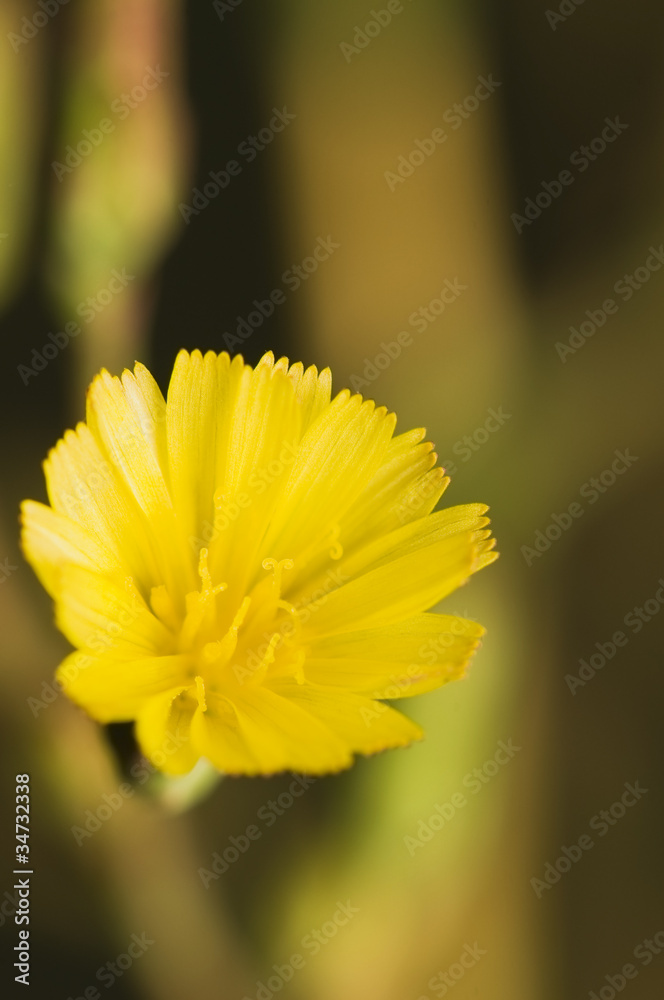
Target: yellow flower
pixel 244 569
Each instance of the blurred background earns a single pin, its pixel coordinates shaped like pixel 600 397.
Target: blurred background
pixel 461 206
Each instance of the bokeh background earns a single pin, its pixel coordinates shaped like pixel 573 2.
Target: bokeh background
pixel 161 94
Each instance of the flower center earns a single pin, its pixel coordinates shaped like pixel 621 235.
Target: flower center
pixel 230 647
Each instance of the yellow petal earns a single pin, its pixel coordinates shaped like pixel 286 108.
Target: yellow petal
pixel 102 613
pixel 163 731
pixel 312 391
pixel 149 406
pixel 401 588
pixel 261 450
pixel 116 425
pixel 395 661
pixel 112 689
pixel 270 734
pixel 410 537
pixel 201 396
pixel 366 726
pixel 406 486
pixel 216 736
pixel 417 534
pixel 336 459
pixel 84 486
pixel 51 541
pixel 383 505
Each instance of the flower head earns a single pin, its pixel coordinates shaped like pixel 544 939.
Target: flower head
pixel 245 568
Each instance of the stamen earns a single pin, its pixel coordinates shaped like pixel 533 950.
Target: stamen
pixel 260 672
pixel 294 616
pixel 277 567
pixel 229 642
pixel 222 649
pixel 211 651
pixel 200 693
pixel 266 593
pixel 329 541
pixel 199 603
pixel 298 666
pixel 206 580
pixel 337 550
